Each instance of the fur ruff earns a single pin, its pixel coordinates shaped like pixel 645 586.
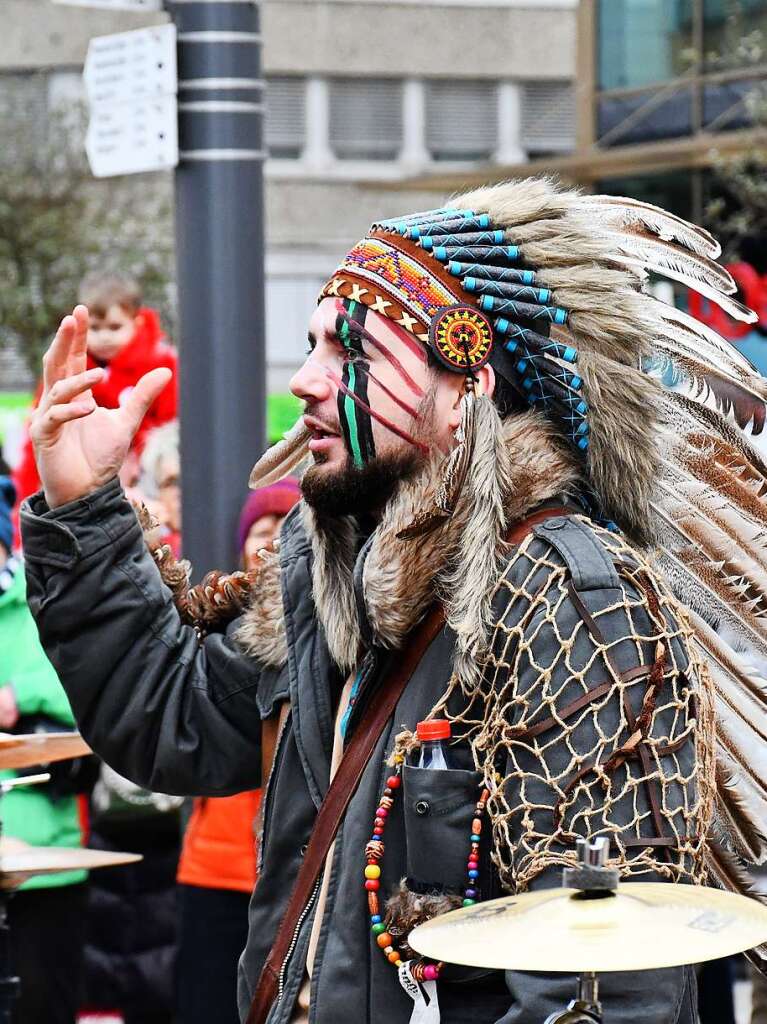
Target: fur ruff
pixel 262 630
pixel 517 465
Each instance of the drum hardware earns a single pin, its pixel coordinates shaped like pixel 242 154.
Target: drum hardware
pixel 20 861
pixel 595 925
pixel 592 877
pixel 26 750
pixel 9 983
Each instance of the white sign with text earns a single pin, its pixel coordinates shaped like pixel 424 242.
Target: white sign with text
pixel 131 82
pixel 127 138
pixel 131 65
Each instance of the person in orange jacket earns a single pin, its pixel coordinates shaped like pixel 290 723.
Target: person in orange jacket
pixel 217 869
pixel 127 340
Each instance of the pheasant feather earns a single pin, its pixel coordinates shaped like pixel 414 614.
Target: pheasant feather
pixel 623 212
pixel 283 458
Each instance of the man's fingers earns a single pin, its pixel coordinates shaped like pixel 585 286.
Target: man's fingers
pixel 55 359
pixel 70 387
pixel 144 393
pixel 46 425
pixel 78 352
pixel 67 353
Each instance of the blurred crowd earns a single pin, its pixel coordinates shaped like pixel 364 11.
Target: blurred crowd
pixel 156 941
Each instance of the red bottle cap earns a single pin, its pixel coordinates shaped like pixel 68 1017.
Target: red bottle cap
pixel 434 729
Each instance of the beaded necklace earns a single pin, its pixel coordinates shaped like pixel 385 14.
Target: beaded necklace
pixel 374 852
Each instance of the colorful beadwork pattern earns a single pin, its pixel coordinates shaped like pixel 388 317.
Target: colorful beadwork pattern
pixel 374 263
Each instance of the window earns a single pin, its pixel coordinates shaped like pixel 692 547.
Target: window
pixel 548 117
pixel 461 120
pixel 365 118
pixel 643 41
pixel 285 117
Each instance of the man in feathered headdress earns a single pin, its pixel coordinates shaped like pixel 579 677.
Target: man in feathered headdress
pixel 486 433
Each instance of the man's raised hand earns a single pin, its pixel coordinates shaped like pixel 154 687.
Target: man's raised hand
pixel 78 445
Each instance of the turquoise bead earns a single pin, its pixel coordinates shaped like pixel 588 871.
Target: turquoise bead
pixel 469 903
pixel 377 929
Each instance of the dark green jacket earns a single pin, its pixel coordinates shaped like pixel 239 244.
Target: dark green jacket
pixel 28 812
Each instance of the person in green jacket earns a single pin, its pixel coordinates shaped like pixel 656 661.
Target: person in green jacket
pixel 47 914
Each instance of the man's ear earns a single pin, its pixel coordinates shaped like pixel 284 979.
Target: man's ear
pixel 485 381
pixel 485 385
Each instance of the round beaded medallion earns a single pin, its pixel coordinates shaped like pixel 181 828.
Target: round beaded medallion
pixel 461 337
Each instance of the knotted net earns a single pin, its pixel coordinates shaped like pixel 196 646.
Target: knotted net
pixel 593 717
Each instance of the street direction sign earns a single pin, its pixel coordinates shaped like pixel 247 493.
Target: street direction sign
pixel 134 65
pixel 131 83
pixel 117 5
pixel 134 136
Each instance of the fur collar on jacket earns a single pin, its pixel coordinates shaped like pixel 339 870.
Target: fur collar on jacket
pixel 515 468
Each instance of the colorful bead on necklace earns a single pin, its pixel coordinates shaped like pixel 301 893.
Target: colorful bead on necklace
pixel 374 852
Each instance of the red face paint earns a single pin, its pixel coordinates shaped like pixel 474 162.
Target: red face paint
pixel 387 424
pixel 403 405
pixel 360 331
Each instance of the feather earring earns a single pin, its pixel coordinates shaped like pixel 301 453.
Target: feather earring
pixel 454 473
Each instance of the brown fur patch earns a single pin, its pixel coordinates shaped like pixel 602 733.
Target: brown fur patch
pixel 262 631
pixel 405 910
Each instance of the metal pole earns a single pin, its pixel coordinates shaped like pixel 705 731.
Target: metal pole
pixel 220 259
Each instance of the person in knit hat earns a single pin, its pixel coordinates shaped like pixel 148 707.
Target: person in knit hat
pixel 262 516
pixel 217 869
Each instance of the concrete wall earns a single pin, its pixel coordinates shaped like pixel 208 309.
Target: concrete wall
pixel 320 37
pixel 428 39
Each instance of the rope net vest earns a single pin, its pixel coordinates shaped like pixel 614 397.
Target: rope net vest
pixel 592 717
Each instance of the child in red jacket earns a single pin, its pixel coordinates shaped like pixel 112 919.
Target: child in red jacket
pixel 127 340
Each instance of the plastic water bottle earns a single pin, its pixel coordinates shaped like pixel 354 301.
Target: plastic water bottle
pixel 435 744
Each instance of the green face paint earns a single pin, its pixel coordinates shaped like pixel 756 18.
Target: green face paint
pixel 356 424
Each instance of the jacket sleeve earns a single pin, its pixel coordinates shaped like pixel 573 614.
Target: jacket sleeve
pixel 169 712
pixel 582 652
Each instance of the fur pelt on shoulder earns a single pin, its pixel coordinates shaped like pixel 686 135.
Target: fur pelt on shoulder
pixel 457 564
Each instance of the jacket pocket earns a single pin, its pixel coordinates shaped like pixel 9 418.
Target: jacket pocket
pixel 439 808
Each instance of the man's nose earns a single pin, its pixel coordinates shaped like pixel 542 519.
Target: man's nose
pixel 310 383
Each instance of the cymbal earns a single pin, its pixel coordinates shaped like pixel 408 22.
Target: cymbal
pixel 40 748
pixel 644 925
pixel 18 861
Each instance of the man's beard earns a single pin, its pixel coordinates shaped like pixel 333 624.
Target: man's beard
pixel 359 491
pixel 351 490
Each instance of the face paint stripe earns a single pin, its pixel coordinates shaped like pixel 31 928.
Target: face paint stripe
pixel 403 405
pixel 350 412
pixel 364 423
pixel 376 416
pixel 414 346
pixel 343 419
pixel 385 352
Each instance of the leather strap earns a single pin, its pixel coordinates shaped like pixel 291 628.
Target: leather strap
pixel 347 778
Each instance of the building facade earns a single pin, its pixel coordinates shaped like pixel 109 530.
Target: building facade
pixel 363 97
